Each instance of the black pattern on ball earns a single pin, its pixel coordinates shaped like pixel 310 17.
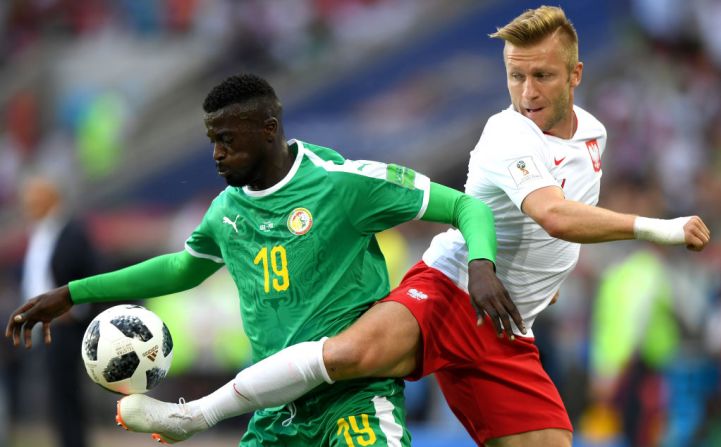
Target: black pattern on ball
pixel 167 341
pixel 132 327
pixel 91 341
pixel 120 368
pixel 153 376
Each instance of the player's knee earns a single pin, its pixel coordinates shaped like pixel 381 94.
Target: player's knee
pixel 346 359
pixel 384 342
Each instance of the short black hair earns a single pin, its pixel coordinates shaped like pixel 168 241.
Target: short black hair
pixel 238 89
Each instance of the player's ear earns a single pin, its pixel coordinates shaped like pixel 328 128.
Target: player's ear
pixel 576 74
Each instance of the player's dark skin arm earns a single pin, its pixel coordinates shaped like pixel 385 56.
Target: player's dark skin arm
pixel 475 221
pixel 45 308
pixel 489 296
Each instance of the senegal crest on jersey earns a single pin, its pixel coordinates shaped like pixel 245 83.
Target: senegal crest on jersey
pixel 299 221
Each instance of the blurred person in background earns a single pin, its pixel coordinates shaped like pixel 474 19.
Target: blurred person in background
pixel 669 122
pixel 709 431
pixel 296 228
pixel 635 335
pixel 538 166
pixel 59 250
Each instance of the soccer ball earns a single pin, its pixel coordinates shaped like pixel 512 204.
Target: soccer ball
pixel 127 349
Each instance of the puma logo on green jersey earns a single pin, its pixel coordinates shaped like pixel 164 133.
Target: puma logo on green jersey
pixel 232 223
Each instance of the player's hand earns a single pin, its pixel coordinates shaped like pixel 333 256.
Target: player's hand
pixel 490 297
pixel 696 234
pixel 41 309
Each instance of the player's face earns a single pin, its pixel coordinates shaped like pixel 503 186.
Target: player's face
pixel 541 86
pixel 240 146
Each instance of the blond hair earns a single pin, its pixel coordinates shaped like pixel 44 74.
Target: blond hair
pixel 535 25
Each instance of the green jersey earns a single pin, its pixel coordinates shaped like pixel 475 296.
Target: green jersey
pixel 303 253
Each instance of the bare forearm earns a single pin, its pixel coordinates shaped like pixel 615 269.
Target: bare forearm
pixel 577 222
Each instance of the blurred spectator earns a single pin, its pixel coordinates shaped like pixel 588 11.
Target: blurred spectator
pixel 59 251
pixel 99 135
pixel 634 337
pixel 9 358
pixel 22 116
pixel 19 141
pixel 709 432
pixel 650 373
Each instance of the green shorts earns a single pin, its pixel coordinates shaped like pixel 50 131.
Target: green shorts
pixel 357 413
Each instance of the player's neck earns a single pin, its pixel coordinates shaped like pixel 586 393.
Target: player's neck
pixel 278 167
pixel 566 129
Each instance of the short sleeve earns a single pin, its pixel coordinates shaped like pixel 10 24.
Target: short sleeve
pixel 511 155
pixel 201 242
pixel 378 196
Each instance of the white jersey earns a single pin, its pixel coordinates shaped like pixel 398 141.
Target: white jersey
pixel 512 159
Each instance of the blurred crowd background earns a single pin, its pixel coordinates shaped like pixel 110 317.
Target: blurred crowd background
pixel 105 95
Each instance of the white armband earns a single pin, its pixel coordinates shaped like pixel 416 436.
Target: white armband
pixel 660 231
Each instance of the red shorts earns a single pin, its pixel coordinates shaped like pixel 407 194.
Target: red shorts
pixel 495 387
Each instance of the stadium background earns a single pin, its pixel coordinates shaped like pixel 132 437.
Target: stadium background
pixel 107 94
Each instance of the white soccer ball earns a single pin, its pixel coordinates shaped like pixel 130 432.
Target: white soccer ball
pixel 127 349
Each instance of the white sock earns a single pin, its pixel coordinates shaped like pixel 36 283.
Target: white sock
pixel 276 380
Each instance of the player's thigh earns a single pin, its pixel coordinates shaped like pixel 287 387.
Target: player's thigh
pixel 510 376
pixel 384 342
pixel 550 437
pixel 369 421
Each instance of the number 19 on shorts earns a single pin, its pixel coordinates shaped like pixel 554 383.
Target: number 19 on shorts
pixel 274 263
pixel 356 431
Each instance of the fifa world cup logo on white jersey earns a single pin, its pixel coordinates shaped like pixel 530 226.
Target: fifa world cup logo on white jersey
pixel 232 223
pixel 521 165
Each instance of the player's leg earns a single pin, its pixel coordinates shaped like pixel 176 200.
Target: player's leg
pixel 275 380
pixel 475 411
pixel 500 391
pixel 384 342
pixel 497 388
pixel 392 338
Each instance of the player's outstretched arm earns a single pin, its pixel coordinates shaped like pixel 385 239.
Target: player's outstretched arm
pixel 577 222
pixel 158 276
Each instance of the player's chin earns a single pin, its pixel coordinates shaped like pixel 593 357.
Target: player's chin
pixel 234 180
